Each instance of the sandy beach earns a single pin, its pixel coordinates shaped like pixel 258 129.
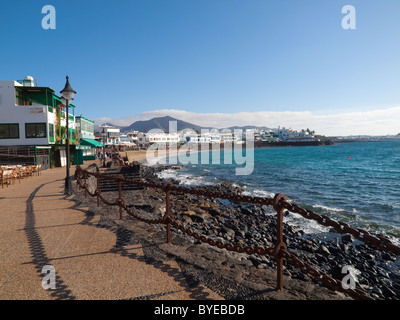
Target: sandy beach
pixel 135 155
pixel 142 155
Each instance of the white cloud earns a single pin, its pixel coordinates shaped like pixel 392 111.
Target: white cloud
pixel 374 122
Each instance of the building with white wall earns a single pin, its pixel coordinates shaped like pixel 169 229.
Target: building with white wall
pixel 31 115
pixel 163 138
pixel 290 135
pixel 214 136
pixel 84 127
pixel 159 137
pixel 129 139
pixel 112 135
pixel 85 134
pixel 143 141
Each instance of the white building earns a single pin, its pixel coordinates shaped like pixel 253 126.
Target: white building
pixel 113 135
pixel 163 138
pixel 214 136
pixel 205 137
pixel 128 140
pixel 184 136
pixel 290 135
pixel 85 127
pixel 29 114
pixel 142 140
pixel 159 137
pixel 133 137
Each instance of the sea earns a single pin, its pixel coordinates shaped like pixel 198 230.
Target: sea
pixel 357 183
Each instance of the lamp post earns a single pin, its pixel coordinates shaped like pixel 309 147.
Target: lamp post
pixel 68 94
pixel 104 147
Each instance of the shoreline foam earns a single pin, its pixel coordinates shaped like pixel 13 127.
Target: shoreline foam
pixel 253 225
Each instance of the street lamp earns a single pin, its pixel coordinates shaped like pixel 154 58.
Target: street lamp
pixel 104 146
pixel 68 94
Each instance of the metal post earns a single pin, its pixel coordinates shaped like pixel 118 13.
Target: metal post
pixel 168 212
pixel 168 218
pixel 85 177
pixel 97 189
pixel 104 155
pixel 279 258
pixel 279 240
pixel 120 197
pixel 67 179
pixel 104 148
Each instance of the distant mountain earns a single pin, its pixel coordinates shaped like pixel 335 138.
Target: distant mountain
pixel 161 123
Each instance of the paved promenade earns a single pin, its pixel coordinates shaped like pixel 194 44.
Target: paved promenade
pixel 40 226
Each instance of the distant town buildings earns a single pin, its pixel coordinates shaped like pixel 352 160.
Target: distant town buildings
pixel 35 117
pixel 145 139
pixel 290 135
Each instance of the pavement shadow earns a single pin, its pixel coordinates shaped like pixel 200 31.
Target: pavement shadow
pixel 38 251
pixel 152 254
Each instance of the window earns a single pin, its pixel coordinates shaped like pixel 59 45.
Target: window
pixel 87 126
pixel 9 131
pixel 112 134
pixel 51 132
pixel 71 134
pixel 35 130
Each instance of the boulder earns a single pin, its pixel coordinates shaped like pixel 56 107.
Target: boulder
pixel 347 238
pixel 91 180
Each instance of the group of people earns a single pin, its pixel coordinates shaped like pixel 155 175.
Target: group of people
pixel 109 155
pixel 102 156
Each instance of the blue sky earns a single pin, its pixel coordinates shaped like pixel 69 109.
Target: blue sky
pixel 228 60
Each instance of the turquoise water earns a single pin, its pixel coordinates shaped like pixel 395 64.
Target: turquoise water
pixel 357 183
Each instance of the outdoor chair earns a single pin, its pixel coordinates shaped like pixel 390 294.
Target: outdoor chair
pixel 7 177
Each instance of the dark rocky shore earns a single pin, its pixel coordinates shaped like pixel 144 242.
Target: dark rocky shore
pixel 242 276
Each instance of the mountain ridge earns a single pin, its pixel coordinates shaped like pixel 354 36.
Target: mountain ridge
pixel 163 123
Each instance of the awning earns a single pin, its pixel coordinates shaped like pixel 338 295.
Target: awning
pixel 80 147
pixel 91 142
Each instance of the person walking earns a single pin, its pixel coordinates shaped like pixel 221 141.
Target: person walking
pixel 100 156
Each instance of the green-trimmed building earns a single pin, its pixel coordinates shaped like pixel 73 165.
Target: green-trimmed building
pixel 87 142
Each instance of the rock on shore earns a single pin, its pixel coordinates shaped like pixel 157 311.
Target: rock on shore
pixel 255 225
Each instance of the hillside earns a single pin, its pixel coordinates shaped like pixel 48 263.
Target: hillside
pixel 160 123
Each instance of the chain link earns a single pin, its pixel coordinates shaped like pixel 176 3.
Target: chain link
pixel 280 250
pixel 380 242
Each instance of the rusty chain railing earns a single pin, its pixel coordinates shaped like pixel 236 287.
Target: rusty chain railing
pixel 379 242
pixel 279 203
